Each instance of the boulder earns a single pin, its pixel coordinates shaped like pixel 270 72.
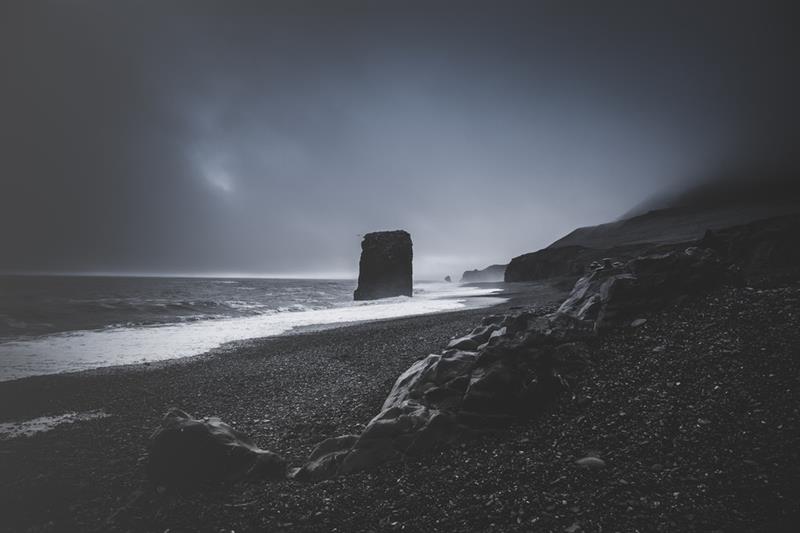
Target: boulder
pixel 186 451
pixel 447 279
pixel 467 342
pixel 385 265
pixel 613 293
pixel 434 371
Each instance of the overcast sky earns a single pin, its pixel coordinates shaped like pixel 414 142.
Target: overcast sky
pixel 265 137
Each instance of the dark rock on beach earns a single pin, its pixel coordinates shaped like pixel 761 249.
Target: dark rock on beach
pixel 613 292
pixel 185 451
pixel 385 266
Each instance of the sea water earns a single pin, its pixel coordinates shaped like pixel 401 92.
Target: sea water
pixel 51 324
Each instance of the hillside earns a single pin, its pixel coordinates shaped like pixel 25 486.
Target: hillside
pixel 669 221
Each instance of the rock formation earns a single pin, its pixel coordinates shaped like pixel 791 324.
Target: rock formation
pixel 487 275
pixel 185 451
pixel 385 265
pixel 764 244
pixel 447 279
pixel 510 366
pixel 570 261
pixel 613 292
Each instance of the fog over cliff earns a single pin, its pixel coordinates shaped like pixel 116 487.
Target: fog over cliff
pixel 264 138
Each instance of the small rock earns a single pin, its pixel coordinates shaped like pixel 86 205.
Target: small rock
pixel 638 322
pixel 591 463
pixel 657 467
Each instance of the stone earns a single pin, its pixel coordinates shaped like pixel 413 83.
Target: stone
pixel 433 371
pixel 185 451
pixel 591 463
pixel 481 333
pixel 447 279
pixel 611 295
pixel 385 267
pixel 638 322
pixel 466 342
pixel 325 460
pixel 496 334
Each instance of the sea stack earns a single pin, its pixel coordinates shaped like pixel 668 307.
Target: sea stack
pixel 385 266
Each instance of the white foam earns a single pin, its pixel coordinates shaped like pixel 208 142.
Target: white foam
pixel 26 428
pixel 82 350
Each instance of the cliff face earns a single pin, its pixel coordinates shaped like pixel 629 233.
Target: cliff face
pixel 570 260
pixel 665 224
pixel 385 265
pixel 488 274
pixel 763 244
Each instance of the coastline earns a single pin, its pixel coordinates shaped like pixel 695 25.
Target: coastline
pixel 98 344
pixel 234 352
pixel 676 451
pixel 288 392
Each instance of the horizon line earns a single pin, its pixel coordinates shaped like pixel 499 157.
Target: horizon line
pixel 216 275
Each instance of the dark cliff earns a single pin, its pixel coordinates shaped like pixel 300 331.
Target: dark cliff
pixel 488 274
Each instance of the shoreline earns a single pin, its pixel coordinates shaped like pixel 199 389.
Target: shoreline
pixel 660 415
pixel 287 392
pixel 514 295
pixel 85 350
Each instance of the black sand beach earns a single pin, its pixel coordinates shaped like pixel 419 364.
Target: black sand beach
pixel 692 443
pixel 288 393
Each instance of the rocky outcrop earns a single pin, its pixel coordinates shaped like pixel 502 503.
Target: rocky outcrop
pixel 512 366
pixel 548 263
pixel 574 261
pixel 385 265
pixel 489 274
pixel 447 279
pixel 763 245
pixel 513 370
pixel 615 292
pixel 187 451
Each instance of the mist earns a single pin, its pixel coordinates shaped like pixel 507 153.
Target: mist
pixel 254 139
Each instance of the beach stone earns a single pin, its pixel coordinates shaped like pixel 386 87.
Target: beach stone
pixel 326 459
pixel 406 429
pixel 188 451
pixel 481 333
pixel 434 371
pixel 498 333
pixel 591 463
pixel 492 319
pixel 467 342
pixel 385 265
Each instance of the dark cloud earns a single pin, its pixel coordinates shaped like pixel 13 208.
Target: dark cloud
pixel 264 137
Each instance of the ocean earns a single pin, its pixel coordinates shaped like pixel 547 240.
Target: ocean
pixel 51 324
